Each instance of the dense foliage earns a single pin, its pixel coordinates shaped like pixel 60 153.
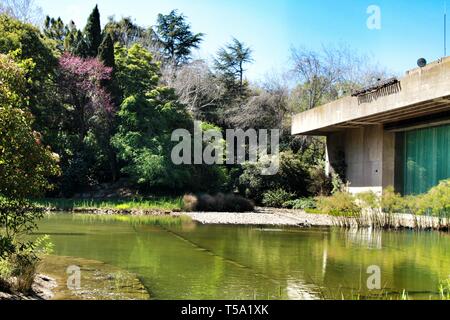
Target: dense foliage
pixel 25 166
pixel 147 116
pixel 107 100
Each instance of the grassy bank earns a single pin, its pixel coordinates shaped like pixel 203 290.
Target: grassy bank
pixel 155 204
pixel 163 221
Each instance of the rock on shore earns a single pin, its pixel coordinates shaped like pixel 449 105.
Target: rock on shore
pixel 42 289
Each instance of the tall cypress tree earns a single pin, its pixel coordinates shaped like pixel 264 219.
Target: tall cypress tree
pixel 93 32
pixel 106 51
pixel 106 56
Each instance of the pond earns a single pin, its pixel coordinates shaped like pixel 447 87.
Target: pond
pixel 194 261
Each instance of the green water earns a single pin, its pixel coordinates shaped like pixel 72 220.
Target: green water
pixel 235 262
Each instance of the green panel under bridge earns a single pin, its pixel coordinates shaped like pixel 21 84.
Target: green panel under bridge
pixel 425 157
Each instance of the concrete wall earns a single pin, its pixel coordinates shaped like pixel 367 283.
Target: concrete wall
pixel 369 155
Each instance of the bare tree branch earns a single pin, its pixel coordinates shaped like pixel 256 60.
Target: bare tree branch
pixel 24 10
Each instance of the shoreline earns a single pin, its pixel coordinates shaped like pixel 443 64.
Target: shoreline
pixel 280 217
pixel 259 217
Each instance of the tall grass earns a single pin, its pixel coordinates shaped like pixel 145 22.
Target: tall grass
pixel 444 289
pixel 430 211
pixel 382 294
pixel 163 221
pixel 164 203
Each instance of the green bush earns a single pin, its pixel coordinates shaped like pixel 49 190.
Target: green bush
pixel 339 204
pixel 277 198
pixel 18 269
pixel 320 184
pixel 369 200
pixel 293 177
pixel 392 202
pixel 301 204
pixel 436 201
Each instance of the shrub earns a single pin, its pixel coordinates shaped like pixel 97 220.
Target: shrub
pixel 293 176
pixel 302 204
pixel 392 202
pixel 320 184
pixel 369 200
pixel 18 269
pixel 277 198
pixel 436 202
pixel 339 204
pixel 218 203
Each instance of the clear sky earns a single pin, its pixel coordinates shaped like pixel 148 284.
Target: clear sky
pixel 410 29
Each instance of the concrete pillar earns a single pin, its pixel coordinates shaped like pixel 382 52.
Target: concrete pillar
pixel 388 159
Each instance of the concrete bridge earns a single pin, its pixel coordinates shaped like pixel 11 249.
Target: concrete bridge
pixel 380 135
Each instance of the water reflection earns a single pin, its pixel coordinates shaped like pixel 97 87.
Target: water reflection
pixel 299 290
pixel 234 262
pixel 369 238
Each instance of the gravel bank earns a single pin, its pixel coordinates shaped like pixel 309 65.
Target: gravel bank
pixel 263 216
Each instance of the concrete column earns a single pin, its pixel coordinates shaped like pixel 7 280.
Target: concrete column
pixel 388 159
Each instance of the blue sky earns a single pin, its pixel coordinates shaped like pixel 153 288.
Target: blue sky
pixel 410 29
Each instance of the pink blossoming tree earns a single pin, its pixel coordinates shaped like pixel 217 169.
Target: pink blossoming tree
pixel 80 81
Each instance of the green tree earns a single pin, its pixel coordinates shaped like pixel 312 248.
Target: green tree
pixel 127 33
pixel 108 129
pixel 24 161
pixel 25 165
pixel 93 33
pixel 18 35
pixel 106 51
pixel 74 41
pixel 176 38
pixel 55 30
pixel 29 46
pixel 230 64
pixel 147 117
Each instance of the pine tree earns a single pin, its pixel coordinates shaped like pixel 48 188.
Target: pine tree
pixel 93 33
pixel 230 64
pixel 56 30
pixel 176 38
